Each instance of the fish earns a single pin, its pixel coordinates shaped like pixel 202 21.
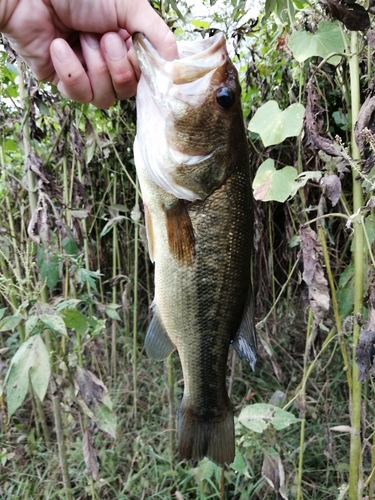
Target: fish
pixel 192 162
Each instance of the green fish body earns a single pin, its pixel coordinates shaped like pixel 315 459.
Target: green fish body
pixel 192 161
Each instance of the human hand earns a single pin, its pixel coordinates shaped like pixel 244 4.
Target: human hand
pixel 84 47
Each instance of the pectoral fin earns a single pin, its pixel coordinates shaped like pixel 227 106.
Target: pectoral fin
pixel 150 234
pixel 245 341
pixel 158 344
pixel 180 231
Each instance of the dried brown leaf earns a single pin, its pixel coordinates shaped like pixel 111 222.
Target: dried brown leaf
pixel 365 354
pixel 273 472
pixel 89 455
pixel 313 274
pixel 352 15
pixel 91 388
pixel 370 35
pixel 332 185
pixel 365 120
pixel 309 257
pixel 282 42
pixel 313 125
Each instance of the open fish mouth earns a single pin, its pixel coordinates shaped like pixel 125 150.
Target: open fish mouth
pixel 169 89
pixel 197 59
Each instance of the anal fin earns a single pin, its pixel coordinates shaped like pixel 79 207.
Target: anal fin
pixel 158 344
pixel 180 231
pixel 245 341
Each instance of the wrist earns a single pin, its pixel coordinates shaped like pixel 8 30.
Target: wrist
pixel 7 7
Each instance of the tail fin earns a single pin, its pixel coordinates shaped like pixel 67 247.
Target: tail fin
pixel 200 437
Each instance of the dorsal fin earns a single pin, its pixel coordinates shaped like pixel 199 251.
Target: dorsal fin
pixel 181 238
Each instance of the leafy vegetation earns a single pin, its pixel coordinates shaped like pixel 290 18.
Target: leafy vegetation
pixel 84 413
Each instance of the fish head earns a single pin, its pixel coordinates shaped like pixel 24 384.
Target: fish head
pixel 190 131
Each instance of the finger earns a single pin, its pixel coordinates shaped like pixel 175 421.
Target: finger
pixel 140 16
pixel 71 80
pixel 123 77
pixel 97 71
pixel 132 56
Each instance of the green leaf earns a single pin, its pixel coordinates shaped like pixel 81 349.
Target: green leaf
pixel 30 324
pixel 95 401
pixel 198 23
pixel 345 292
pixel 2 312
pixel 273 185
pixel 75 320
pixel 49 267
pixel 285 10
pixel 70 246
pixel 370 229
pixel 54 322
pixel 303 178
pixel 87 276
pixel 68 304
pixel 269 8
pixel 327 40
pixel 274 125
pixel 239 464
pixel 106 229
pixel 207 469
pixel 10 322
pixel 111 312
pixel 260 416
pixel 31 362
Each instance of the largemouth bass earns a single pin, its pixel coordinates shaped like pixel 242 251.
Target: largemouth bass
pixel 191 157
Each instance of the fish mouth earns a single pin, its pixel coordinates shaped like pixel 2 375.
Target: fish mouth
pixel 197 59
pixel 170 93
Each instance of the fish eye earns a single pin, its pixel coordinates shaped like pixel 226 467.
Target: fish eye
pixel 225 97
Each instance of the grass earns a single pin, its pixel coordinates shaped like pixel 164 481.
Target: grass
pixel 140 463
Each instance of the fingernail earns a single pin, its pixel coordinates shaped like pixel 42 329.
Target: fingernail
pixel 61 51
pixel 92 41
pixel 114 47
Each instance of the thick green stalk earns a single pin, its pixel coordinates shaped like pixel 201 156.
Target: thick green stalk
pixel 355 473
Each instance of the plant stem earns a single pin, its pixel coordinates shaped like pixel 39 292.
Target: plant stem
pixel 355 472
pixel 302 396
pixel 61 441
pixel 135 306
pixel 114 287
pixel 171 405
pixel 335 307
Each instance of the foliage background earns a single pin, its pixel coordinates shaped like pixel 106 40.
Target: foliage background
pixel 76 282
